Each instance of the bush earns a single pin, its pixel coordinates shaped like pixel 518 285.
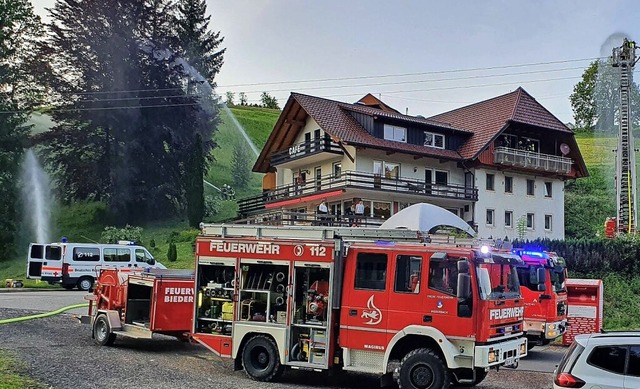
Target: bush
pixel 172 253
pixel 113 234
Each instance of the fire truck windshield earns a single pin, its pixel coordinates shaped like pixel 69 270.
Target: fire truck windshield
pixel 497 281
pixel 558 278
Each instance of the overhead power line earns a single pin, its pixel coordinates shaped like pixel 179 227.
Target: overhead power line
pixel 413 74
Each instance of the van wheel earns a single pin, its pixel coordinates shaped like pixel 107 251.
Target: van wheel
pixel 102 331
pixel 85 283
pixel 422 369
pixel 261 360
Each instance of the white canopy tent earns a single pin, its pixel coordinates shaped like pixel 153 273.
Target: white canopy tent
pixel 424 217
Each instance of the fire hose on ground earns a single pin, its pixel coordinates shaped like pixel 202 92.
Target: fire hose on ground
pixel 43 315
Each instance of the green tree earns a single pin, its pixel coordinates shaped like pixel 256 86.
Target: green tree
pixel 172 252
pixel 230 98
pixel 195 185
pixel 595 98
pixel 20 31
pixel 269 101
pixel 243 98
pixel 521 227
pixel 241 166
pixel 113 234
pixel 125 91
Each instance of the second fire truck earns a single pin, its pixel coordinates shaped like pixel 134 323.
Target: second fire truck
pixel 542 280
pixel 373 301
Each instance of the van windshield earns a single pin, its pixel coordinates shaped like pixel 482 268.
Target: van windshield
pixel 144 256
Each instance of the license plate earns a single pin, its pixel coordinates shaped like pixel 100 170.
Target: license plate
pixel 509 361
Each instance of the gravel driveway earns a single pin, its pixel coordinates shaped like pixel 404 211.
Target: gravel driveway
pixel 59 351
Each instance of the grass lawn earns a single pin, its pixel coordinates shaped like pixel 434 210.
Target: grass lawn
pixel 12 374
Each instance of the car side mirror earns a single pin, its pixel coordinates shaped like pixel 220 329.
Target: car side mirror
pixel 542 287
pixel 151 261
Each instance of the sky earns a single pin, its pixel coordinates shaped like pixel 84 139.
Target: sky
pixel 420 57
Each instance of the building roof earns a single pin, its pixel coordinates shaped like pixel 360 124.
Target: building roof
pixel 481 122
pixel 335 119
pixel 488 118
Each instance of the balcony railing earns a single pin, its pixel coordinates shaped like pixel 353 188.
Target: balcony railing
pixel 290 218
pixel 532 160
pixel 305 149
pixel 358 180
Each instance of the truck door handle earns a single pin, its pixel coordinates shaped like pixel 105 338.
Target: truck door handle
pixel 353 312
pixel 129 265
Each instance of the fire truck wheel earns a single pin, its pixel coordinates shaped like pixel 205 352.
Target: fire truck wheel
pixel 422 369
pixel 85 284
pixel 102 331
pixel 261 360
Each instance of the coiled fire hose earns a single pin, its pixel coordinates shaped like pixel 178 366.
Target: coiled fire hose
pixel 42 315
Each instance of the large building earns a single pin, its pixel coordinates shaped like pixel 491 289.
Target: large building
pixel 499 164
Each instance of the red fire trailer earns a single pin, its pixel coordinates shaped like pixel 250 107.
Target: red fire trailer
pixel 141 304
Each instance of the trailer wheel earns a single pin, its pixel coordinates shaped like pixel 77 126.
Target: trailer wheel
pixel 85 283
pixel 102 331
pixel 422 369
pixel 261 360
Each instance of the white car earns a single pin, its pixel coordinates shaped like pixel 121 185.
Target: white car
pixel 602 360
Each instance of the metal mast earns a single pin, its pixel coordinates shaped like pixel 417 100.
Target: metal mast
pixel 624 58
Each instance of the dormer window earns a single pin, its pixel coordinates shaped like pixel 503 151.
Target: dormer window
pixel 395 133
pixel 433 140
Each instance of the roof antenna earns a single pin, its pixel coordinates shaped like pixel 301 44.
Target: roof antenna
pixel 407 111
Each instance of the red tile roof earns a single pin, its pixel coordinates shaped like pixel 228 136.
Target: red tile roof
pixel 488 118
pixel 333 118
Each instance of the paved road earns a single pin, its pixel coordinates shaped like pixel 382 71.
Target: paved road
pixel 45 300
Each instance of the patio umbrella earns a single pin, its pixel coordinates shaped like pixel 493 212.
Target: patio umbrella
pixel 423 217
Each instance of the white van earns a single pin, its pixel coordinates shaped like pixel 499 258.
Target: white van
pixel 77 264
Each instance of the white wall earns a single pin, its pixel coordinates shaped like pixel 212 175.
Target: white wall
pixel 520 204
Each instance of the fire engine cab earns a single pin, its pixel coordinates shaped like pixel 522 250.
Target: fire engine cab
pixel 542 278
pixel 365 300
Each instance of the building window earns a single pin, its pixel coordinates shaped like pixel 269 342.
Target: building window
pixel 530 221
pixel 337 169
pixel 490 217
pixel 491 178
pixel 531 185
pixel 381 209
pixel 508 184
pixel 433 140
pixel 547 222
pixel 529 144
pixel 508 140
pixel 508 218
pixel 442 178
pixel 386 169
pixel 395 133
pixel 548 189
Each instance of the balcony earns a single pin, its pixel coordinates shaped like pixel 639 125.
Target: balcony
pixel 306 149
pixel 363 182
pixel 532 160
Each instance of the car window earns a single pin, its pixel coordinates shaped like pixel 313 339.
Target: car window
pixel 634 361
pixel 610 358
pixel 570 357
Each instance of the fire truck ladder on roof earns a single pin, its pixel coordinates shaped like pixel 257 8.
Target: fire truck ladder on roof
pixel 305 232
pixel 624 58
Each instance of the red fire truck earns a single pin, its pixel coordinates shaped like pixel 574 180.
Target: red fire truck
pixel 364 300
pixel 542 280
